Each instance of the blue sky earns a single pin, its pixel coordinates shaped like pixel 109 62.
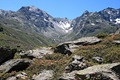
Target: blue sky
pixel 61 8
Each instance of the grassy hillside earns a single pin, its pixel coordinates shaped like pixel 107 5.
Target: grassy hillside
pixel 20 39
pixel 106 49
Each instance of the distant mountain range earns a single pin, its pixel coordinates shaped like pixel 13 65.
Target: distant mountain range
pixel 33 21
pixel 91 23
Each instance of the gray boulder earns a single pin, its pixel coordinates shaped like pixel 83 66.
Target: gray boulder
pixel 100 72
pixel 44 75
pixel 15 65
pixel 69 47
pixel 98 59
pixel 36 53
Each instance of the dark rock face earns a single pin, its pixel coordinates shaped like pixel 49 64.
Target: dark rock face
pixel 116 69
pixel 6 54
pixel 1 29
pixel 14 65
pixel 63 48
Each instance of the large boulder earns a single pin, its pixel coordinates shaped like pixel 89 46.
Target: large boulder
pixel 44 75
pixel 15 65
pixel 36 53
pixel 69 47
pixel 6 54
pixel 100 72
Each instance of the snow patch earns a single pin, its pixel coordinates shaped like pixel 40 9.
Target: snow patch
pixel 111 20
pixel 32 8
pixel 45 19
pixel 117 21
pixel 65 26
pixel 92 24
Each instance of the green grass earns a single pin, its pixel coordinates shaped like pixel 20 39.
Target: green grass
pixel 24 40
pixel 57 62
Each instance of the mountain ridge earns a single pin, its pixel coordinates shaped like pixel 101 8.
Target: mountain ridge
pixel 32 19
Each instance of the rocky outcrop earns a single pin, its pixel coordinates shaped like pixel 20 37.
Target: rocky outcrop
pixel 77 63
pixel 6 54
pixel 69 47
pixel 21 75
pixel 101 72
pixel 14 65
pixel 36 53
pixel 44 75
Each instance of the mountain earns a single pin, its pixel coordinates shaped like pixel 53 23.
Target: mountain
pixel 91 23
pixel 34 21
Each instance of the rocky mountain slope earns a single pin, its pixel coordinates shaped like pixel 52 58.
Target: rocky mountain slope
pixel 32 19
pixel 91 23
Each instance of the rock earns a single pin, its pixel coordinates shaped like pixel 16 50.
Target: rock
pixel 37 53
pixel 68 76
pixel 78 63
pixel 15 65
pixel 87 41
pixel 12 78
pixel 116 42
pixel 63 48
pixel 44 75
pixel 21 75
pixel 6 54
pixel 98 59
pixel 103 72
pixel 69 47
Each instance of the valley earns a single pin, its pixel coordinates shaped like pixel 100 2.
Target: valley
pixel 37 46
